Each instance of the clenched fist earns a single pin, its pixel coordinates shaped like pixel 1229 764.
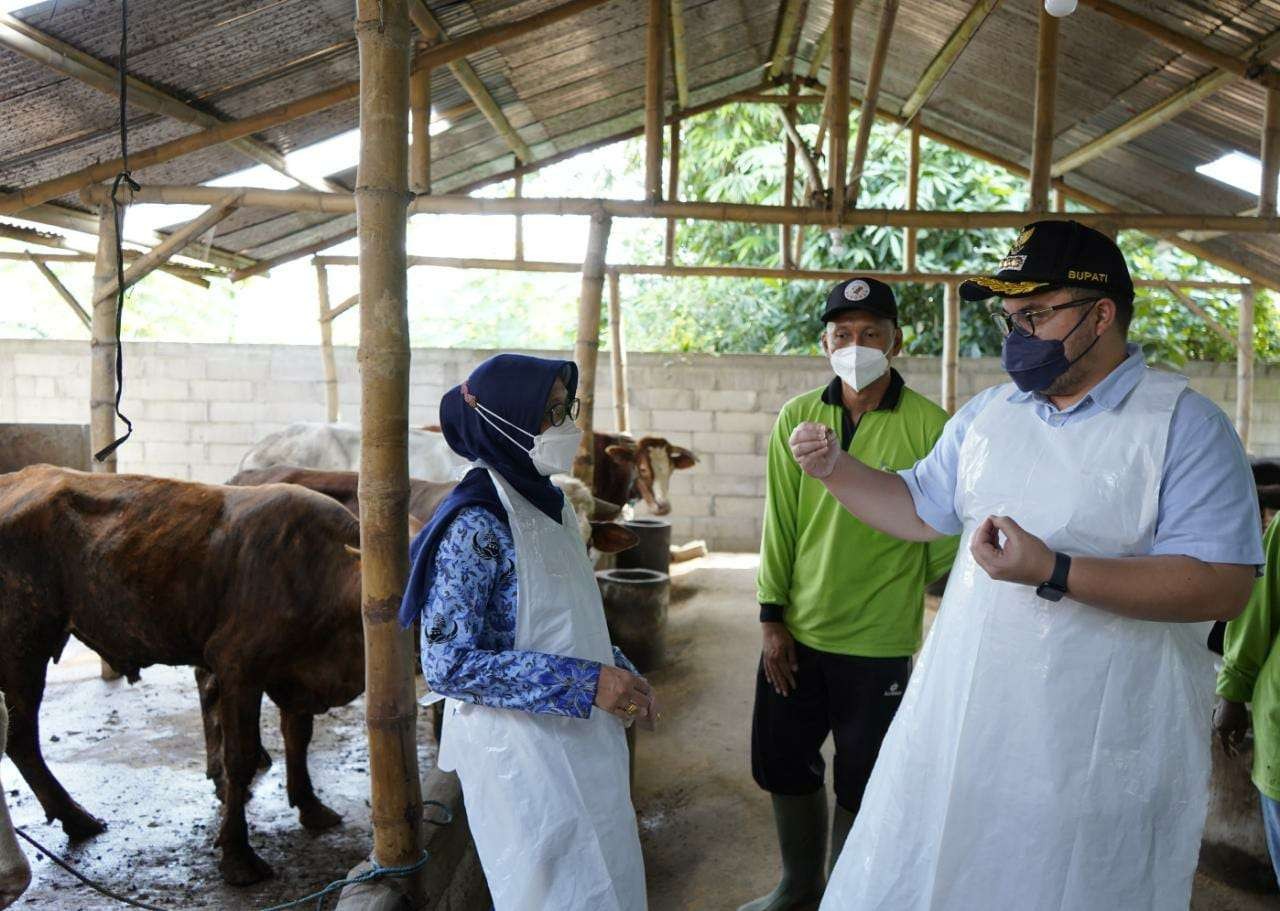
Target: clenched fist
pixel 815 448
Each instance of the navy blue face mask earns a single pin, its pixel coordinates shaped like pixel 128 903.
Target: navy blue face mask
pixel 1034 363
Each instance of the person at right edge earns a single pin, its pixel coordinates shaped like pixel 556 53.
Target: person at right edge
pixel 1051 751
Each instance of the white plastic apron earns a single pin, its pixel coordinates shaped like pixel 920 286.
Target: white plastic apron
pixel 547 797
pixel 1046 757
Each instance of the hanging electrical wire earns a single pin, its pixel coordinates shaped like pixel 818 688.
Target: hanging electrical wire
pixel 117 214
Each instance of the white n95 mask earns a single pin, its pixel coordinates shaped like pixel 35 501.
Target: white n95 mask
pixel 552 452
pixel 859 366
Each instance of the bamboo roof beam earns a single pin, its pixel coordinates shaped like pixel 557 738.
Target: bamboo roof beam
pixel 1204 315
pixel 466 76
pixel 1270 154
pixel 66 295
pixel 763 98
pixel 802 149
pixel 938 68
pixel 420 127
pixel 1046 92
pixel 193 274
pixel 464 45
pixel 788 19
pixel 1164 111
pixel 838 108
pixel 173 244
pixel 1261 73
pixel 821 51
pixel 654 108
pixel 871 97
pixel 34 44
pixel 679 54
pixel 266 265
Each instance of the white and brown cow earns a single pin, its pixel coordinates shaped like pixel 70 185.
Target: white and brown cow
pixel 15 873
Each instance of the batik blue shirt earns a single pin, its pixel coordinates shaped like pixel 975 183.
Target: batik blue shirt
pixel 1208 505
pixel 469 629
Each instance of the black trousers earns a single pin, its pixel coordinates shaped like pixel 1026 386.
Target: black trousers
pixel 852 698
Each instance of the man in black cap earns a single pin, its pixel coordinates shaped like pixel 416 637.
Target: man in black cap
pixel 1051 750
pixel 841 605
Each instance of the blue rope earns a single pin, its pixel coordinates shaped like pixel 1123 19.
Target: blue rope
pixel 377 872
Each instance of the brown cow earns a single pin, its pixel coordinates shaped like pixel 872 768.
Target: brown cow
pixel 254 584
pixel 627 469
pixel 15 872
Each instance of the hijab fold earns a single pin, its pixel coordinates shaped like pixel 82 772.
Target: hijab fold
pixel 517 387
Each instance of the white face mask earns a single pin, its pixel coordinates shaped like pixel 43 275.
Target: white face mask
pixel 859 366
pixel 552 452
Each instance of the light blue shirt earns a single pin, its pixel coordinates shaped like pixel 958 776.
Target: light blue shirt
pixel 1208 504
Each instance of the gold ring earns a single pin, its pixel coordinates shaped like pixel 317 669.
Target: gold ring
pixel 632 708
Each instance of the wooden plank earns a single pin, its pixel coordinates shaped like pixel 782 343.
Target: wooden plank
pixel 1046 93
pixel 938 68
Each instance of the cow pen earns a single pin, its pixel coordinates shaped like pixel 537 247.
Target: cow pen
pixel 505 80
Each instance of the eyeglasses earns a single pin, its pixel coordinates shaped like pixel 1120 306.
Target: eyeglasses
pixel 558 412
pixel 1023 322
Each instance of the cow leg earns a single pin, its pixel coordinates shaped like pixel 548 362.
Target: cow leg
pixel 25 696
pixel 238 710
pixel 297 737
pixel 207 687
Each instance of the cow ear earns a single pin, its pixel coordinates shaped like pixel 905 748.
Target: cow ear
pixel 620 454
pixel 354 551
pixel 605 511
pixel 612 538
pixel 681 457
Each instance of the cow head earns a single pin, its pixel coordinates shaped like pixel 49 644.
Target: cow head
pixel 15 873
pixel 652 459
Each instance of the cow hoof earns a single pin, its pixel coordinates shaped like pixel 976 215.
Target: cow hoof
pixel 244 869
pixel 318 817
pixel 79 825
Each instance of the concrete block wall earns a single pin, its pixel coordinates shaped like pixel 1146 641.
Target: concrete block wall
pixel 198 408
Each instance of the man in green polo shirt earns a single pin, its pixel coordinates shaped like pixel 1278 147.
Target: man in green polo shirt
pixel 841 605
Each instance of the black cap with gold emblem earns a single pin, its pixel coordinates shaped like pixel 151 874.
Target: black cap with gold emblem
pixel 1055 254
pixel 862 293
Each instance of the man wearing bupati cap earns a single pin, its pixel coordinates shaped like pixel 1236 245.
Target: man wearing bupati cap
pixel 1051 751
pixel 841 605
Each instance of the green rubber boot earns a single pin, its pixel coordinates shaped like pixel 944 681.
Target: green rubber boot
pixel 802 836
pixel 841 823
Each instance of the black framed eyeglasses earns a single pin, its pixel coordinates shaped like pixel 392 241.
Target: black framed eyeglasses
pixel 1023 322
pixel 558 412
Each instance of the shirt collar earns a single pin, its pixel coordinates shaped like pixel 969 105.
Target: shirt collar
pixel 834 393
pixel 1110 392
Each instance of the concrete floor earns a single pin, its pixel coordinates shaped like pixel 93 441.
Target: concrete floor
pixel 134 756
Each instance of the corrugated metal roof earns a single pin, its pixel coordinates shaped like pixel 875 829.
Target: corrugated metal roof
pixel 581 80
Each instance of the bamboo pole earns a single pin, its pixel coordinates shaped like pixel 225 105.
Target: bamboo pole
pixel 1244 367
pixel 938 68
pixel 102 356
pixel 266 265
pixel 950 344
pixel 673 190
pixel 457 48
pixel 1206 318
pixel 62 292
pixel 679 54
pixel 913 195
pixel 788 197
pixel 354 300
pixel 193 274
pixel 587 348
pixel 518 193
pixel 312 201
pixel 1270 154
pixel 382 33
pixel 655 52
pixel 1046 89
pixel 870 97
pixel 796 141
pixel 838 110
pixel 792 98
pixel 420 111
pixel 820 52
pixel 326 347
pixel 789 18
pixel 171 245
pixel 1264 75
pixel 618 357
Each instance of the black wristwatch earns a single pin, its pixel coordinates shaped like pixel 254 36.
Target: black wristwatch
pixel 1056 587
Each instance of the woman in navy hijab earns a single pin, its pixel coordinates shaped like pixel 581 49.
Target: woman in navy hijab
pixel 513 634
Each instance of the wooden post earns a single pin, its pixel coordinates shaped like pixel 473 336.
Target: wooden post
pixel 655 53
pixel 326 347
pixel 1046 86
pixel 587 349
pixel 518 193
pixel 102 354
pixel 788 198
pixel 871 97
pixel 1244 367
pixel 950 345
pixel 382 33
pixel 1270 154
pixel 618 356
pixel 838 112
pixel 673 189
pixel 420 109
pixel 913 194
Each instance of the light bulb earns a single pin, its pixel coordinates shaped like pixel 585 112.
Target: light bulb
pixel 837 242
pixel 1059 8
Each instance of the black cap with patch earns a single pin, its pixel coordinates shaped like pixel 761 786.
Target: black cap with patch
pixel 1055 254
pixel 861 294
